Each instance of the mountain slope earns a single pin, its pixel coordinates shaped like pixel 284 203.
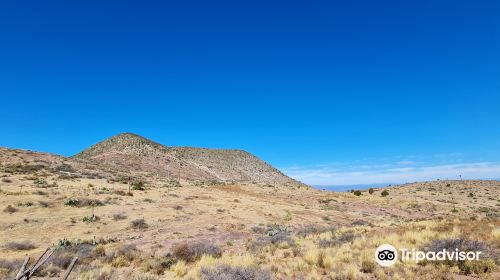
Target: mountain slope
pixel 129 152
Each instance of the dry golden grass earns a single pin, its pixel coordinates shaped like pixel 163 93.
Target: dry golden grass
pixel 236 218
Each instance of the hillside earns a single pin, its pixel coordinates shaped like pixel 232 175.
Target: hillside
pixel 128 153
pixel 209 225
pixel 282 233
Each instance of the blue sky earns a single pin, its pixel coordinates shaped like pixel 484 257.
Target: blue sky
pixel 331 92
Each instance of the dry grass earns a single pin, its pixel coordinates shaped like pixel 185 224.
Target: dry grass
pixel 20 246
pixel 261 229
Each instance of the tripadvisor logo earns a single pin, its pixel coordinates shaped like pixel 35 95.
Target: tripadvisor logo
pixel 386 255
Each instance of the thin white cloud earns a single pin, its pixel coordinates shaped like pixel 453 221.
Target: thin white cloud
pixel 396 173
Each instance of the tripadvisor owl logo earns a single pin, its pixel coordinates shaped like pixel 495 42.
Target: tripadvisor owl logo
pixel 386 255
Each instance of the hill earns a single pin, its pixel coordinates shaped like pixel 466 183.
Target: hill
pixel 131 153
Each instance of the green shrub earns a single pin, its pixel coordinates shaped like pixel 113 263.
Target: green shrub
pixel 288 216
pixel 64 242
pixel 484 209
pixel 371 191
pixel 40 181
pixel 71 202
pixel 138 186
pixel 384 193
pixel 357 193
pixel 90 219
pixel 82 202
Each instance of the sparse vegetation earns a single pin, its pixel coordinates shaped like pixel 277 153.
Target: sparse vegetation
pixel 139 224
pixel 138 186
pixel 485 265
pixel 187 225
pixel 44 204
pixel 90 218
pixel 119 216
pixel 178 207
pixel 192 252
pixel 71 202
pixel 82 202
pixel 20 246
pixel 6 180
pixel 226 272
pixel 288 216
pixel 10 209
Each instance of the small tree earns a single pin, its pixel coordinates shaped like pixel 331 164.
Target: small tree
pixel 371 191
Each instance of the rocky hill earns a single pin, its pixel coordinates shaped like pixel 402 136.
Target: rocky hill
pixel 129 152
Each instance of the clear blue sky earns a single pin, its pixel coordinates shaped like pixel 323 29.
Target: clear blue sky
pixel 331 92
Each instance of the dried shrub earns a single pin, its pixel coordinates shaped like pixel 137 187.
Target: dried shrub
pixel 48 271
pixel 44 204
pixel 225 272
pixel 9 268
pixel 177 207
pixel 64 254
pixel 119 216
pixel 90 202
pixel 122 255
pixel 259 230
pixel 193 252
pixel 20 246
pixel 138 224
pixel 485 264
pixel 10 209
pixel 120 192
pixel 65 168
pixel 23 168
pixel 277 239
pixel 6 180
pixel 159 265
pixel 39 192
pixel 314 229
pixel 361 223
pixel 346 237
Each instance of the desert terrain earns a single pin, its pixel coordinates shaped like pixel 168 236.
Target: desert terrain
pixel 130 208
